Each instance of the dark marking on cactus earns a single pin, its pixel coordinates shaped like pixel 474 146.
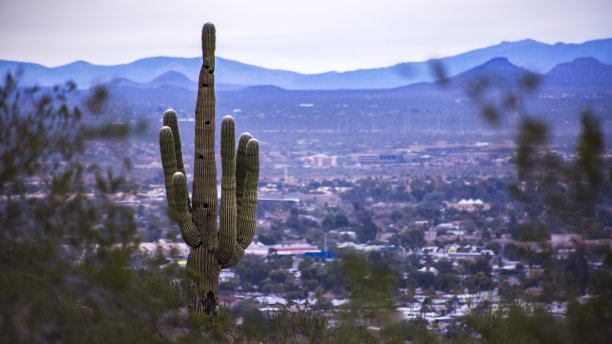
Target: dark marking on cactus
pixel 210 303
pixel 201 157
pixel 207 122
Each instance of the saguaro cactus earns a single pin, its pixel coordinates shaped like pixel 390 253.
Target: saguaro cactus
pixel 211 249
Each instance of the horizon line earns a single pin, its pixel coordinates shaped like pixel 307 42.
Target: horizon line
pixel 293 71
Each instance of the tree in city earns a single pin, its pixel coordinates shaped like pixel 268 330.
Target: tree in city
pixel 68 250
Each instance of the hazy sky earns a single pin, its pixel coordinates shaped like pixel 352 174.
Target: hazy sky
pixel 300 35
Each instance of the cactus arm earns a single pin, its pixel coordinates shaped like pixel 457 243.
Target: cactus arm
pixel 180 194
pixel 246 217
pixel 176 187
pixel 227 231
pixel 166 145
pixel 170 120
pixel 241 167
pixel 237 254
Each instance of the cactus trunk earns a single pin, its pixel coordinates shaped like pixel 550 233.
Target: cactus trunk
pixel 211 250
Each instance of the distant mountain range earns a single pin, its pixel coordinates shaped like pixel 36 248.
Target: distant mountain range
pixel 581 77
pixel 157 72
pixel 561 94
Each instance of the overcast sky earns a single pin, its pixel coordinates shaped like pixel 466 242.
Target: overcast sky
pixel 301 35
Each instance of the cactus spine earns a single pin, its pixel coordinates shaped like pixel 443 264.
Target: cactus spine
pixel 211 250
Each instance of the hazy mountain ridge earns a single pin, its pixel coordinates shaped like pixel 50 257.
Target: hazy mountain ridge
pixel 497 68
pixel 582 71
pixel 417 110
pixel 530 54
